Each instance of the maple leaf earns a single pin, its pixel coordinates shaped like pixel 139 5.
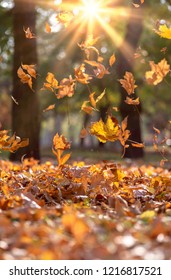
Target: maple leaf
pixel 128 83
pixel 158 72
pixel 29 34
pixel 65 18
pixel 80 75
pixel 164 31
pixel 108 131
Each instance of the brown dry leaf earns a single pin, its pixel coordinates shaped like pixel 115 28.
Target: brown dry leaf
pixel 88 45
pixel 29 34
pixel 128 83
pixel 112 60
pixel 66 87
pixel 158 72
pixel 48 27
pixel 26 76
pixel 12 143
pixel 100 70
pixel 60 144
pixel 50 107
pixel 131 101
pixel 87 109
pixel 92 100
pixel 81 76
pixel 116 109
pixel 51 82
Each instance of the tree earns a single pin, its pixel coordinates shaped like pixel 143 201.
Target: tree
pixel 25 114
pixel 126 63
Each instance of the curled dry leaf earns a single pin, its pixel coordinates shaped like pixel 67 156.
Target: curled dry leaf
pixel 131 101
pixel 138 145
pixel 128 83
pixel 60 144
pixel 112 60
pixel 100 70
pixel 29 34
pixel 12 143
pixel 50 107
pixel 66 88
pixel 81 76
pixel 26 73
pixel 51 82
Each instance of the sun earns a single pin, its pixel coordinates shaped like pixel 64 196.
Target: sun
pixel 90 8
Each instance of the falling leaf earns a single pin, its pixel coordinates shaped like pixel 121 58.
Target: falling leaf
pixel 60 144
pixel 83 133
pixel 12 143
pixel 65 18
pixel 48 28
pixel 100 70
pixel 51 82
pixel 15 101
pixel 156 130
pixel 128 83
pixel 26 76
pixel 116 109
pixel 87 109
pixel 29 34
pixel 50 107
pixel 164 31
pixel 131 101
pixel 108 131
pixel 66 87
pixel 138 145
pixel 80 75
pixel 112 60
pixel 158 72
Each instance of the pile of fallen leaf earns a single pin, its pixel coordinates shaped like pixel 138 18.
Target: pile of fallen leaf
pixel 79 211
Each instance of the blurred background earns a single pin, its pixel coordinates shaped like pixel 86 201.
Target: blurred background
pixel 57 51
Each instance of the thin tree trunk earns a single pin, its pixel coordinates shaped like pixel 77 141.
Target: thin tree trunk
pixel 25 115
pixel 126 63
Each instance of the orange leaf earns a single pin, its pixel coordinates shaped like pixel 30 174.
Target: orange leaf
pixel 158 72
pixel 128 83
pixel 138 145
pixel 112 60
pixel 131 101
pixel 86 109
pixel 29 34
pixel 47 28
pixel 50 107
pixel 81 76
pixel 83 133
pixel 156 130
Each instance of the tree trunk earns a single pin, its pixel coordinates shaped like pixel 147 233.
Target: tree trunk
pixel 25 115
pixel 126 63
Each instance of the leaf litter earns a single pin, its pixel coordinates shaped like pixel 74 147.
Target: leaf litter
pixel 79 211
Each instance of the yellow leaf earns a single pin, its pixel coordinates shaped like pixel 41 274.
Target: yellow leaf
pixel 108 131
pixel 50 107
pixel 65 18
pixel 64 159
pixel 158 72
pixel 164 31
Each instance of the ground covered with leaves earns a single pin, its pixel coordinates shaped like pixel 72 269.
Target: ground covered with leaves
pixel 80 211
